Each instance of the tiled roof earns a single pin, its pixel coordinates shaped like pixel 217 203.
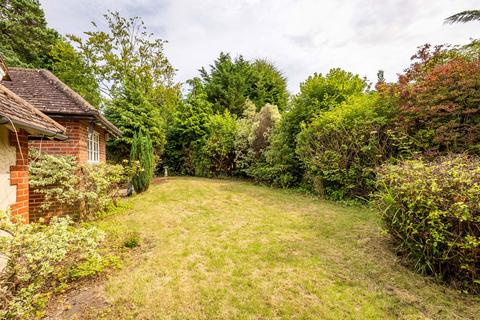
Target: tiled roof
pixel 50 95
pixel 16 110
pixel 3 70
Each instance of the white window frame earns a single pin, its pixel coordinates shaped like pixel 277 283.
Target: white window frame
pixel 93 147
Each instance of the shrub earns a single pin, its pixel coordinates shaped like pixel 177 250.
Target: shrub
pixel 132 240
pixel 142 151
pixel 42 259
pixel 317 94
pixel 216 155
pixel 244 157
pixel 55 177
pixel 100 185
pixel 252 136
pixel 432 212
pixel 439 100
pixel 344 145
pixel 90 188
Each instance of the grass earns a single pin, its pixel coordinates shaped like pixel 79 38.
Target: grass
pixel 216 249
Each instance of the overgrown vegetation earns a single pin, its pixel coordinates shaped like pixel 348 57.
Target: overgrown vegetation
pixel 43 259
pixel 338 131
pixel 432 211
pixel 339 137
pixel 87 189
pixel 234 250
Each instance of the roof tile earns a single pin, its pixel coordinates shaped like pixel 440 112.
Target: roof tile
pixel 50 95
pixel 17 110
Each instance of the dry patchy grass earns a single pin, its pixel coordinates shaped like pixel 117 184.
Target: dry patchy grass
pixel 216 249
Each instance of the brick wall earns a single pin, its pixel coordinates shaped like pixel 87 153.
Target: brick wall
pixel 19 175
pixel 76 146
pixel 54 209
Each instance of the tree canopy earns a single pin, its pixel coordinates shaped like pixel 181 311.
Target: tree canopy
pixel 230 82
pixel 25 38
pixel 135 77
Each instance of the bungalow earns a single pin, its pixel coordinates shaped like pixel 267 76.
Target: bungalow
pixel 19 121
pixel 87 129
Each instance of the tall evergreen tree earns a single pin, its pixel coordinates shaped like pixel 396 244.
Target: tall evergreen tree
pixel 25 38
pixel 142 151
pixel 187 129
pixel 230 82
pixel 268 85
pixel 227 85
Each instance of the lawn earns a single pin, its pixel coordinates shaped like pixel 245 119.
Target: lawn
pixel 219 249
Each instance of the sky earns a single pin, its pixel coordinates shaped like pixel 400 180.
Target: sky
pixel 300 37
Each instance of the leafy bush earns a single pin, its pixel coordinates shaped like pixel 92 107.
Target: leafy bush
pixel 432 212
pixel 252 136
pixel 217 152
pixel 42 259
pixel 55 177
pixel 100 185
pixel 439 100
pixel 318 93
pixel 344 145
pixel 132 240
pixel 142 151
pixel 244 157
pixel 89 188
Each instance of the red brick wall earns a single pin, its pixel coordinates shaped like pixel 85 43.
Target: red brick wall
pixel 75 145
pixel 19 175
pixel 55 209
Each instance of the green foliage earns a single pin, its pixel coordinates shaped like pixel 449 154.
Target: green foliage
pixel 464 16
pixel 230 82
pixel 244 156
pixel 89 189
pixel 70 67
pixel 93 266
pixel 227 85
pixel 142 151
pixel 132 240
pixel 187 130
pixel 42 259
pixel 317 94
pixel 216 154
pixel 134 75
pixel 130 112
pixel 25 39
pixel 432 211
pixel 343 146
pixel 268 86
pixel 252 137
pixel 55 178
pixel 100 186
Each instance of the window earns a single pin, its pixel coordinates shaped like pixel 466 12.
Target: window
pixel 93 147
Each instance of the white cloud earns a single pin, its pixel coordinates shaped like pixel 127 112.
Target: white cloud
pixel 300 36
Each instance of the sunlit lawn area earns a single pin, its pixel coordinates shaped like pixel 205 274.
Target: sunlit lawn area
pixel 215 249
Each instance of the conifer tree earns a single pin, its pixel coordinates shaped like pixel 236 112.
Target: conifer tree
pixel 142 151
